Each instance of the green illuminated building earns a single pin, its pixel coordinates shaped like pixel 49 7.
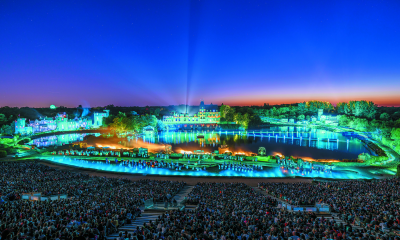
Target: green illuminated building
pixel 60 123
pixel 205 117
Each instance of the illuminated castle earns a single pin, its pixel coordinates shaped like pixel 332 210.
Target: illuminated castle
pixel 207 115
pixel 60 123
pixel 98 118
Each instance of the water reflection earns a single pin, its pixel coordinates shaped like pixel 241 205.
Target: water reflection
pixel 59 140
pixel 292 141
pixel 307 142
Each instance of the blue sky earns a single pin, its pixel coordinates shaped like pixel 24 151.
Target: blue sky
pixel 169 52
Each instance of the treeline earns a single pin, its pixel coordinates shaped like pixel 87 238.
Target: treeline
pixel 148 110
pixel 385 129
pixel 381 123
pixel 306 110
pixel 250 116
pixel 244 116
pixel 300 111
pixel 126 122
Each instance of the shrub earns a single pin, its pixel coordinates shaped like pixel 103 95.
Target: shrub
pixel 9 150
pixel 3 153
pixel 176 155
pixel 229 126
pixel 12 151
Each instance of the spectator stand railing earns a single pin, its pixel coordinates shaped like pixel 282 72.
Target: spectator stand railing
pixel 323 208
pixel 150 204
pixel 318 208
pixel 37 196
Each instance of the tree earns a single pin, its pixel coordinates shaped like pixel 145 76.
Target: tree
pixel 372 110
pixel 343 120
pixel 302 108
pixel 121 123
pixel 3 153
pixel 161 126
pixel 397 123
pixel 3 119
pixel 340 107
pixel 328 107
pixel 384 116
pixel 157 112
pixel 224 109
pixel 108 120
pixel 350 108
pixel 152 120
pixel 255 120
pixel 361 123
pixel 284 110
pixel 396 115
pixel 292 112
pixel 6 129
pixel 300 117
pixel 259 111
pixel 242 119
pixel 273 112
pixel 360 108
pixel 351 123
pixel 245 120
pixel 313 106
pixel 395 134
pixel 12 127
pixel 230 115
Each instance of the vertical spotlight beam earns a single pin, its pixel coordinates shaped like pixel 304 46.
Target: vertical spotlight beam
pixel 194 18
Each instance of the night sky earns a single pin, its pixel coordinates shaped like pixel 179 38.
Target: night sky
pixel 138 53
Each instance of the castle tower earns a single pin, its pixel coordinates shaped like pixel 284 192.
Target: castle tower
pixel 320 112
pixel 201 105
pixel 20 125
pixel 107 112
pixel 61 122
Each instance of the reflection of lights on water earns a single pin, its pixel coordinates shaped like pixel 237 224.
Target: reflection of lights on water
pixel 319 139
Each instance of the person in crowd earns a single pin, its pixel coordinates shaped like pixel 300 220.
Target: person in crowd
pixel 95 206
pixel 371 205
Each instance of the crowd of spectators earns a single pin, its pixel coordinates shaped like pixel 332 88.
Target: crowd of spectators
pixel 224 211
pixel 95 207
pixel 99 206
pixel 373 205
pixel 236 211
pixel 17 178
